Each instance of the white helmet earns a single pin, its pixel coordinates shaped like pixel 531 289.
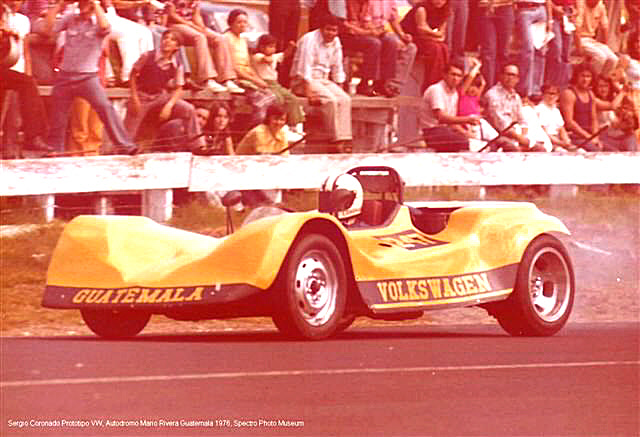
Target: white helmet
pixel 345 182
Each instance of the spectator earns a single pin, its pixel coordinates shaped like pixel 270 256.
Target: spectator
pixel 258 92
pixel 317 73
pixel 470 92
pixel 578 107
pixel 17 77
pixel 505 107
pixel 380 50
pixel 531 60
pixel 78 75
pixel 218 140
pixel 426 22
pixel 621 137
pixel 284 22
pixel 85 127
pixel 318 9
pixel 551 119
pixel 558 64
pixel 457 29
pixel 267 138
pixel 184 17
pixel 496 19
pixel 264 63
pixel 438 114
pixel 630 65
pixel 385 18
pixel 156 86
pixel 606 94
pixel 592 31
pixel 132 38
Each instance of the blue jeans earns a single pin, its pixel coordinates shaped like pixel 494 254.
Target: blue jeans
pixel 530 61
pixel 86 85
pixel 558 66
pixel 371 48
pixel 496 32
pixel 457 29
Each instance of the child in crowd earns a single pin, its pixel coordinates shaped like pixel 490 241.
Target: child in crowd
pixel 264 63
pixel 469 104
pixel 551 119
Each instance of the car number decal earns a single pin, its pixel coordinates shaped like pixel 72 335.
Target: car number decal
pixel 409 240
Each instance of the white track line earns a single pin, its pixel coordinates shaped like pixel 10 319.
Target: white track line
pixel 310 372
pixel 591 248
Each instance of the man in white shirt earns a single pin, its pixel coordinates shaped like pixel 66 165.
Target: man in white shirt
pixel 317 73
pixel 438 114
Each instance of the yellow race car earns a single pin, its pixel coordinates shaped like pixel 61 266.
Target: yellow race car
pixel 363 252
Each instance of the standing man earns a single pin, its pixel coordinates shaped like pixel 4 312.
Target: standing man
pixel 317 73
pixel 438 119
pixel 505 107
pixel 531 61
pixel 496 19
pixel 457 29
pixel 78 75
pixel 558 64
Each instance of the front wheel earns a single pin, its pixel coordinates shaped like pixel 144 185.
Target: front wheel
pixel 311 290
pixel 115 324
pixel 544 291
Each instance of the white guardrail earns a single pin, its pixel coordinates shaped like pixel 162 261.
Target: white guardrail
pixel 158 173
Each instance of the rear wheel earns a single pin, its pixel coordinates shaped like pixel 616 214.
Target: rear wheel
pixel 311 290
pixel 544 292
pixel 115 324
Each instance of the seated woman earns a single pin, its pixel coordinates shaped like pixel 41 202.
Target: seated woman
pixel 156 85
pixel 426 22
pixel 215 125
pixel 257 90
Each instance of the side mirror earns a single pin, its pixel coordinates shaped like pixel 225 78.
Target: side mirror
pixel 231 198
pixel 228 200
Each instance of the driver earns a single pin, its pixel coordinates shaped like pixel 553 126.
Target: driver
pixel 342 196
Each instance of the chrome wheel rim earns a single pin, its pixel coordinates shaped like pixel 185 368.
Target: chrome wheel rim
pixel 549 284
pixel 315 288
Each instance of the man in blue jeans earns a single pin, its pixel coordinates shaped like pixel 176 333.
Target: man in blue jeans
pixel 558 66
pixel 531 61
pixel 496 21
pixel 78 75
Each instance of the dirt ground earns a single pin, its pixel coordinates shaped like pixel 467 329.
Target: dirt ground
pixel 604 247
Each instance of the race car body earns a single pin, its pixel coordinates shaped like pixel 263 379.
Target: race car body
pixel 314 271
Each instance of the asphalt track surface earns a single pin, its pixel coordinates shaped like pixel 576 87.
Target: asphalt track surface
pixel 424 380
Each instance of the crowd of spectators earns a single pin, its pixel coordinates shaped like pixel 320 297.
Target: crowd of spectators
pixel 547 76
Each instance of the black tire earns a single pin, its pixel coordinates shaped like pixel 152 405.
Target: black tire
pixel 115 324
pixel 345 323
pixel 311 290
pixel 543 296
